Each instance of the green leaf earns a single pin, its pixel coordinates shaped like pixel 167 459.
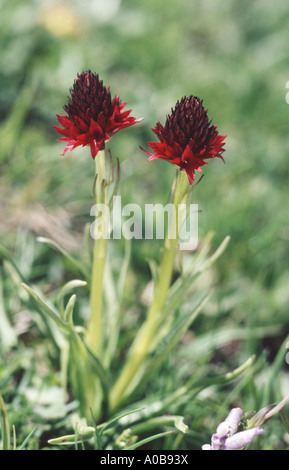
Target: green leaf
pixel 180 424
pixel 5 427
pixel 4 254
pixel 87 432
pixel 274 371
pixel 114 294
pixel 74 262
pixel 7 333
pixel 84 433
pixel 22 446
pixel 149 439
pixel 171 340
pixel 100 371
pixel 221 379
pixel 67 288
pixel 106 426
pixel 159 421
pixel 47 309
pixel 68 313
pixel 182 285
pixel 153 269
pixel 219 251
pixel 124 268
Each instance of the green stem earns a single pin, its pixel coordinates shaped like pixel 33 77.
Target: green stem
pixel 143 340
pixel 94 328
pixel 169 249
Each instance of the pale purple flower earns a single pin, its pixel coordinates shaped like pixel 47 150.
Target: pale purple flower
pixel 227 436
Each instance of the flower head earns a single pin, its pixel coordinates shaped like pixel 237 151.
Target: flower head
pixel 228 436
pixel 92 117
pixel 188 138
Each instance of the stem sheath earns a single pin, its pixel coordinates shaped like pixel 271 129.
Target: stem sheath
pixel 94 328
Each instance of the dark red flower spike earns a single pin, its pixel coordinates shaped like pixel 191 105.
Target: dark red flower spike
pixel 188 138
pixel 92 117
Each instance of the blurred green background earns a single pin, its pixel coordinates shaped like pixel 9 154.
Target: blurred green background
pixel 235 56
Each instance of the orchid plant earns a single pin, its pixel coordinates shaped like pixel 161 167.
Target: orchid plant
pixel 88 351
pixel 187 140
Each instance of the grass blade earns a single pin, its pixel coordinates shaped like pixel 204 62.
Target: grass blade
pixel 5 426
